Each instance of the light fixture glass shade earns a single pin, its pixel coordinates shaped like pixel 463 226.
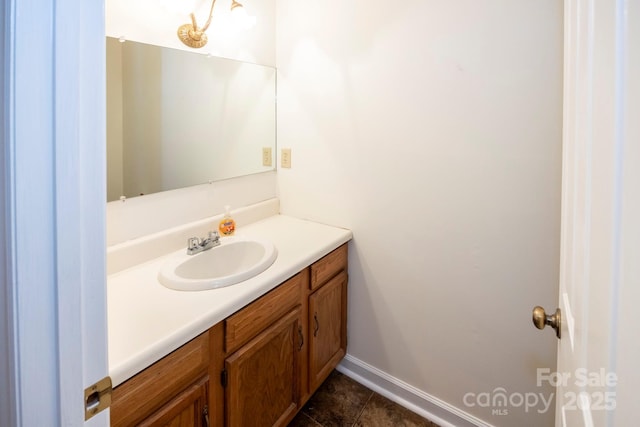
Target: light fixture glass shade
pixel 240 18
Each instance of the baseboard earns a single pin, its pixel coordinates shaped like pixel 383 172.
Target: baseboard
pixel 406 395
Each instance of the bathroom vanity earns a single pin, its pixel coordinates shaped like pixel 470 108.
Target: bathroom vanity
pixel 248 354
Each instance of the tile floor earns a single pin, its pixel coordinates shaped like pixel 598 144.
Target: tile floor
pixel 342 402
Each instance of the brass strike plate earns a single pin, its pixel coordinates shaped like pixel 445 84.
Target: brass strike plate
pixel 97 397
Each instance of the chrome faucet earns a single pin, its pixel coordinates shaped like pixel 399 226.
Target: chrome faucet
pixel 196 245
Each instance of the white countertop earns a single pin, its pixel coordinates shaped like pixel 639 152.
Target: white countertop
pixel 147 321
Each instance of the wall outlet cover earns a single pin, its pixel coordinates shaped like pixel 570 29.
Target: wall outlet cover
pixel 285 158
pixel 266 156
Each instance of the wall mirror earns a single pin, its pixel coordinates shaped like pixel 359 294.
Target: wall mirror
pixel 178 118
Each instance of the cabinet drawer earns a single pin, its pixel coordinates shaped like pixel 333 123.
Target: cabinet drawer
pixel 246 323
pixel 141 395
pixel 328 266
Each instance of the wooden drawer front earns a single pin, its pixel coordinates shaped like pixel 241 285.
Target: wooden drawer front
pixel 246 323
pixel 329 266
pixel 138 397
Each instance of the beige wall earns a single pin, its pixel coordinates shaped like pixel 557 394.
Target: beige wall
pixel 433 131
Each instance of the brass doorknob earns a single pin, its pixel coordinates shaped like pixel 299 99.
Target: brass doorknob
pixel 541 319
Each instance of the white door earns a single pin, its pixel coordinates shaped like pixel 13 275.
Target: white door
pixel 599 195
pixel 52 211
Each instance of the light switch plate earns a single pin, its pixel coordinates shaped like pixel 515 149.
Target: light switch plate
pixel 285 158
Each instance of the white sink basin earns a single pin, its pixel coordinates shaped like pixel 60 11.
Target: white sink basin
pixel 235 260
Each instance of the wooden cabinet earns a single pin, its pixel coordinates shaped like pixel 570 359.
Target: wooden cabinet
pixel 255 368
pixel 188 409
pixel 166 389
pixel 246 323
pixel 327 267
pixel 263 365
pixel 328 328
pixel 264 376
pixel 327 315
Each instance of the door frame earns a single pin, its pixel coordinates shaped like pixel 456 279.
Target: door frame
pixel 52 214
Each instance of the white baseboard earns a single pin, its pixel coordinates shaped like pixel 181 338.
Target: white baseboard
pixel 406 395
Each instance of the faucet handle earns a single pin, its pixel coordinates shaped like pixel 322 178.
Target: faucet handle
pixel 193 243
pixel 214 238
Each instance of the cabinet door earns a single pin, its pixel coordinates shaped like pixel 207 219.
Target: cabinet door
pixel 328 328
pixel 264 376
pixel 188 409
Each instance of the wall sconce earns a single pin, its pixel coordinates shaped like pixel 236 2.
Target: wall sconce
pixel 194 36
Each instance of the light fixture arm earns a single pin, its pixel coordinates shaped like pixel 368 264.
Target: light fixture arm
pixel 193 36
pixel 206 25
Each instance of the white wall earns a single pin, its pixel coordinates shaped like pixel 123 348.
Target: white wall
pixel 149 21
pixel 433 131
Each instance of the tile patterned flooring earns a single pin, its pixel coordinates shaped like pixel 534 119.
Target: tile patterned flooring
pixel 342 402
